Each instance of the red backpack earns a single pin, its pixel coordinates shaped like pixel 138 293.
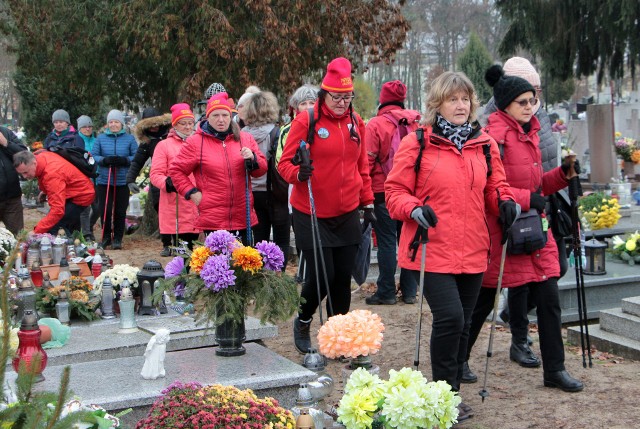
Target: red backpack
pixel 402 129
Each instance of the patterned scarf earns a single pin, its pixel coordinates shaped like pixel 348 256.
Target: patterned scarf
pixel 457 134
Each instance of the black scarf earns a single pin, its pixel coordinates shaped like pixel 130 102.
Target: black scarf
pixel 457 134
pixel 220 135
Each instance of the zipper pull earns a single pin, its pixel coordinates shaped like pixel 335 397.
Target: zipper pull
pixel 224 144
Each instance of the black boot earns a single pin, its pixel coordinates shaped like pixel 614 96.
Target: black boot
pixel 302 335
pixel 562 380
pixel 467 375
pixel 522 354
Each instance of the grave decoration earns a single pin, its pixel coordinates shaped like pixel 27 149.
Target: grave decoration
pixel 222 277
pixel 81 295
pixel 405 400
pixel 627 249
pixel 599 211
pixel 190 405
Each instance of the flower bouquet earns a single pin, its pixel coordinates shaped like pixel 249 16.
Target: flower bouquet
pixel 7 243
pixel 627 148
pixel 117 275
pixel 599 211
pixel 224 274
pixel 406 400
pixel 627 250
pixel 83 301
pixel 192 406
pixel 355 335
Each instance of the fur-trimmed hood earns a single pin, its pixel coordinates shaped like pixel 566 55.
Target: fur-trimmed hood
pixel 163 121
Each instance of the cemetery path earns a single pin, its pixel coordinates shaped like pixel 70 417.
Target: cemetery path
pixel 517 397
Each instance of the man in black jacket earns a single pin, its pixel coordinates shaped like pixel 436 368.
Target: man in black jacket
pixel 10 192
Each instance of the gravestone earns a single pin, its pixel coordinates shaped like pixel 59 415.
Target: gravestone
pixel 601 134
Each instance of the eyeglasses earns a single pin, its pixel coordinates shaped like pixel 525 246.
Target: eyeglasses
pixel 523 103
pixel 339 98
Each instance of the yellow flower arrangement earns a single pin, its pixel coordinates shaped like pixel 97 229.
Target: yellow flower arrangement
pixel 199 257
pixel 247 258
pixel 357 333
pixel 599 211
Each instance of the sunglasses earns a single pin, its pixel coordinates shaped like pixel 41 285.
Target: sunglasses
pixel 523 103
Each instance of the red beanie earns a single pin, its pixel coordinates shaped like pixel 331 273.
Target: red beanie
pixel 217 101
pixel 393 91
pixel 338 77
pixel 180 111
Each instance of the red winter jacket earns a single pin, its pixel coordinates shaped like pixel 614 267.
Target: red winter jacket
pixel 458 189
pixel 523 167
pixel 380 131
pixel 219 172
pixel 61 181
pixel 164 153
pixel 340 181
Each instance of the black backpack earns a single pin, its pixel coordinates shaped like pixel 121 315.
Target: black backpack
pixel 79 157
pixel 277 187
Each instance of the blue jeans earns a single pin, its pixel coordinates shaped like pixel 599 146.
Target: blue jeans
pixel 388 234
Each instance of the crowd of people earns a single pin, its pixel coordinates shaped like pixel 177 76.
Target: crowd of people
pixel 434 179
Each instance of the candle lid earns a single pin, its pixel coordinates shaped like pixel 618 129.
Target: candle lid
pixel 63 262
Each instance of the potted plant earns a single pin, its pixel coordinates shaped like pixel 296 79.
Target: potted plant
pixel 599 211
pixel 629 150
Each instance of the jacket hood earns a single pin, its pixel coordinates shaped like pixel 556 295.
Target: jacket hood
pixel 140 131
pixel 261 133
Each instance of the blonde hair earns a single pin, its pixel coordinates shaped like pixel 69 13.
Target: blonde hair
pixel 261 109
pixel 442 87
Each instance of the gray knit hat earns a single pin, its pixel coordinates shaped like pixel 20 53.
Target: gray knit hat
pixel 84 121
pixel 304 93
pixel 61 115
pixel 115 115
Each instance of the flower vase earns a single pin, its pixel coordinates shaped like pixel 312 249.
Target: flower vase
pixel 630 170
pixel 230 335
pixel 359 362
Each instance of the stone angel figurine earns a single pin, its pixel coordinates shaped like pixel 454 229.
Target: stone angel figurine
pixel 154 355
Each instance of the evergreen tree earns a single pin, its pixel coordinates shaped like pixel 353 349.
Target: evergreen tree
pixel 365 101
pixel 474 62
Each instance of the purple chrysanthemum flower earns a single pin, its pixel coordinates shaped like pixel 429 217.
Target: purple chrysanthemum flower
pixel 272 256
pixel 179 289
pixel 222 242
pixel 217 274
pixel 174 267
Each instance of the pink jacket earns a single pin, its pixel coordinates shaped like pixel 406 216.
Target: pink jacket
pixel 523 167
pixel 219 171
pixel 459 191
pixel 379 134
pixel 166 151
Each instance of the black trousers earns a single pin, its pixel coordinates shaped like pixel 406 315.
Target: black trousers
pixel 545 297
pixel 241 233
pixel 12 215
pixel 272 215
pixel 451 298
pixel 119 194
pixel 70 222
pixel 189 237
pixel 339 262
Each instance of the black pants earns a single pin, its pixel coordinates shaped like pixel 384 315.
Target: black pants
pixel 12 215
pixel 272 215
pixel 339 262
pixel 70 222
pixel 545 297
pixel 121 196
pixel 451 298
pixel 189 237
pixel 242 233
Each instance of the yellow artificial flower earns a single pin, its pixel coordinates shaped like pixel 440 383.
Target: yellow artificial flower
pixel 199 257
pixel 247 258
pixel 618 134
pixel 630 245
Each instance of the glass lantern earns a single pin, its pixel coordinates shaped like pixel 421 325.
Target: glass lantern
pixel 595 256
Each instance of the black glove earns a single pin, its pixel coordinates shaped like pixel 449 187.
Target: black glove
pixel 109 160
pixel 121 161
pixel 424 216
pixel 537 201
pixel 305 172
pixel 566 166
pixel 509 212
pixel 369 217
pixel 169 185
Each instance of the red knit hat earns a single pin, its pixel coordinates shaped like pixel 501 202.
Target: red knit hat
pixel 393 91
pixel 338 77
pixel 180 111
pixel 219 101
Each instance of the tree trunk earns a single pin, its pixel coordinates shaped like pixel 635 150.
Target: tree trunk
pixel 149 220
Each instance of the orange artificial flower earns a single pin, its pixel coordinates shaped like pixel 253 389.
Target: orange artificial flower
pixel 357 333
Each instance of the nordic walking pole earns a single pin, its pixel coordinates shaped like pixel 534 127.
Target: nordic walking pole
pixel 421 238
pixel 177 224
pixel 304 158
pixel 106 204
pixel 484 393
pixel 575 190
pixel 247 168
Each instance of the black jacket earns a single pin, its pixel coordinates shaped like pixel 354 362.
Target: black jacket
pixel 147 142
pixel 9 180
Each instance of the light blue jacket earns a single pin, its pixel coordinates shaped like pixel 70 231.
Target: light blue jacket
pixel 110 144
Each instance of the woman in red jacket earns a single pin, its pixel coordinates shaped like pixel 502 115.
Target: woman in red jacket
pixel 175 217
pixel 340 185
pixel 446 188
pixel 515 127
pixel 219 156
